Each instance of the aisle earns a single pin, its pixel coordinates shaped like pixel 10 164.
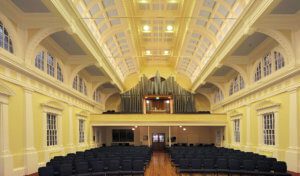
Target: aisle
pixel 160 165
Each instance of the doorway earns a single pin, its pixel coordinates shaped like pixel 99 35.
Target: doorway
pixel 158 141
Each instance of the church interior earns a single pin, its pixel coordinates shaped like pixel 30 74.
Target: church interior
pixel 149 87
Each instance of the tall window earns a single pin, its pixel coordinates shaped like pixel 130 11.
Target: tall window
pixel 218 96
pixel 279 60
pixel 54 69
pixel 50 65
pixel 5 40
pixel 269 128
pixel 97 95
pixel 39 60
pixel 81 131
pixel 51 129
pixel 267 63
pixel 236 84
pixel 236 130
pixel 79 84
pixel 60 75
pixel 270 63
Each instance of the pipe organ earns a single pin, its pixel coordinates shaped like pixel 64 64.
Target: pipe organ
pixel 132 100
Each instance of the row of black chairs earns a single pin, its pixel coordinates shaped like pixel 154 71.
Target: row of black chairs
pixel 209 159
pixel 123 160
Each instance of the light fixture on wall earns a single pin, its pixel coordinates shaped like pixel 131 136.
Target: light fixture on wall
pixel 132 129
pixel 180 126
pixel 135 126
pixel 184 129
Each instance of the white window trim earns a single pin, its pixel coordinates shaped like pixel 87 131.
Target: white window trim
pixel 82 117
pixel 270 108
pixel 58 111
pixel 232 118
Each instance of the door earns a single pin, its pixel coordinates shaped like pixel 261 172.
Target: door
pixel 158 141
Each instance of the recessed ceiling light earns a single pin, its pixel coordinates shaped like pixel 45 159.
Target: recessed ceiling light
pixel 143 1
pixel 170 28
pixel 146 28
pixel 148 52
pixel 166 52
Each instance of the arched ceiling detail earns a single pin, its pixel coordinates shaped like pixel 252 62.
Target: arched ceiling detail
pixel 197 29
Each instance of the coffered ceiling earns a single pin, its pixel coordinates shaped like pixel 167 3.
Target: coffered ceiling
pixel 181 34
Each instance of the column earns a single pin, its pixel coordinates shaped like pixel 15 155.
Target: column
pixel 170 143
pixel 91 136
pixel 149 136
pixel 6 160
pixel 31 159
pixel 71 131
pixel 248 128
pixel 293 152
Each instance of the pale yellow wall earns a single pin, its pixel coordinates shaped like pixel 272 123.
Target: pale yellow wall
pixel 201 103
pixel 113 103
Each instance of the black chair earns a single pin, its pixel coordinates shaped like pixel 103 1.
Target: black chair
pixel 222 165
pixel 196 165
pixel 46 171
pixel 248 167
pixel 113 167
pixel 137 167
pixel 280 169
pixel 82 169
pixel 208 166
pixel 97 168
pixel 234 166
pixel 66 170
pixel 126 167
pixel 183 166
pixel 263 168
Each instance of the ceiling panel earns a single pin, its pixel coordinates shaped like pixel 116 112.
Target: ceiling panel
pixel 31 6
pixel 67 42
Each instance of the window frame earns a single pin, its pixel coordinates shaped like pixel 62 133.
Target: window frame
pixel 47 67
pixel 265 108
pixel 5 39
pixel 53 109
pixel 82 117
pixel 237 83
pixel 262 71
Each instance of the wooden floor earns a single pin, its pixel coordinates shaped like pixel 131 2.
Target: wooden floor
pixel 160 165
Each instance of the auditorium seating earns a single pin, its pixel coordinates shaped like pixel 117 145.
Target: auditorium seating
pixel 214 160
pixel 114 160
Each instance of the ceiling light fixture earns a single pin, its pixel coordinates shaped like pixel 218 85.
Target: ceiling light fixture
pixel 148 52
pixel 166 52
pixel 170 28
pixel 146 28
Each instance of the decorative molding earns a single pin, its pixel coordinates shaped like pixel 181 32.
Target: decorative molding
pixel 234 113
pixel 53 105
pixel 266 104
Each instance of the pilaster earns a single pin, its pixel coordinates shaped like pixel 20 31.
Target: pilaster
pixel 293 151
pixel 6 159
pixel 30 154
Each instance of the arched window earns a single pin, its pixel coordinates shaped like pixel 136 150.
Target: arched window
pixel 236 84
pixel 54 69
pixel 97 95
pixel 39 60
pixel 270 63
pixel 5 40
pixel 79 84
pixel 218 96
